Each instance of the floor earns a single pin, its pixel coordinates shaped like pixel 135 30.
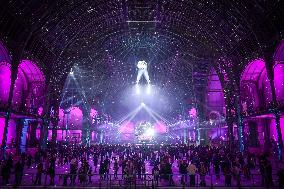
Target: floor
pixel 29 177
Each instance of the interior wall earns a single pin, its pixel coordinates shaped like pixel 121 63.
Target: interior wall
pixel 279 81
pixel 273 132
pixel 19 90
pixel 215 96
pixel 11 135
pixel 5 82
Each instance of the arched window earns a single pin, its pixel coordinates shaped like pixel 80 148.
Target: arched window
pixel 215 96
pixel 255 86
pixel 5 75
pixel 72 117
pixel 279 72
pixel 29 86
pixel 5 82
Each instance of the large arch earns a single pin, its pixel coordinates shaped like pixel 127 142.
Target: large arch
pixel 5 75
pixel 4 54
pixel 29 86
pixel 279 72
pixel 255 86
pixel 5 82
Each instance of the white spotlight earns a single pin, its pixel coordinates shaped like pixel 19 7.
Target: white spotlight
pixel 71 72
pixel 150 132
pixel 143 104
pixel 148 90
pixel 137 88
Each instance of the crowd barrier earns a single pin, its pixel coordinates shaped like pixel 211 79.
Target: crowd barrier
pixel 143 180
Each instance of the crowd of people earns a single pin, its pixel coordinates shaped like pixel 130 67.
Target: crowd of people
pixel 128 163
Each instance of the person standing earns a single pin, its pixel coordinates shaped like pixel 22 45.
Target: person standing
pixel 38 174
pixel 202 173
pixel 228 176
pixel 19 170
pixel 155 173
pixel 191 169
pixel 115 168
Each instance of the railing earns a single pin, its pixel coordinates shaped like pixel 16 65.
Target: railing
pixel 143 180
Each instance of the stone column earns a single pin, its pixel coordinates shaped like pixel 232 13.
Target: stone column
pixel 33 127
pixel 240 122
pixel 86 134
pixel 274 109
pixel 230 124
pixel 266 129
pixel 14 73
pixel 19 129
pixel 55 120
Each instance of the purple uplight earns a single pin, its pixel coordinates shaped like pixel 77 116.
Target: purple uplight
pixel 126 127
pixel 5 82
pixel 192 113
pixel 40 111
pixel 93 113
pixel 215 96
pixel 160 127
pixel 74 118
pixel 279 81
pixel 254 81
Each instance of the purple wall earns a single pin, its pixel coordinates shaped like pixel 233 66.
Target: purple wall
pixel 2 125
pixel 74 118
pixel 215 96
pixel 255 86
pixel 273 132
pixel 29 85
pixel 11 130
pixel 21 87
pixel 279 81
pixel 5 83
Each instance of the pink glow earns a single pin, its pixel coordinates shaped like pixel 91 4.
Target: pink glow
pixel 76 118
pixel 279 81
pixel 32 70
pixel 93 113
pixel 2 125
pixel 253 70
pixel 126 127
pixel 38 134
pixel 160 127
pixel 215 96
pixel 21 85
pixel 30 80
pixel 61 117
pixel 273 132
pixel 192 113
pixel 254 81
pixel 5 82
pixel 11 131
pixel 279 54
pixel 40 111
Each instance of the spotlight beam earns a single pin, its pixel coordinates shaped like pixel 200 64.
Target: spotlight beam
pixel 152 112
pixel 131 114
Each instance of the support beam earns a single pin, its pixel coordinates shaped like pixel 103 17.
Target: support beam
pixel 240 122
pixel 270 74
pixel 230 124
pixel 14 73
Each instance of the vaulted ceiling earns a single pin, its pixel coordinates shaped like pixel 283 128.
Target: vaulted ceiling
pixel 103 39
